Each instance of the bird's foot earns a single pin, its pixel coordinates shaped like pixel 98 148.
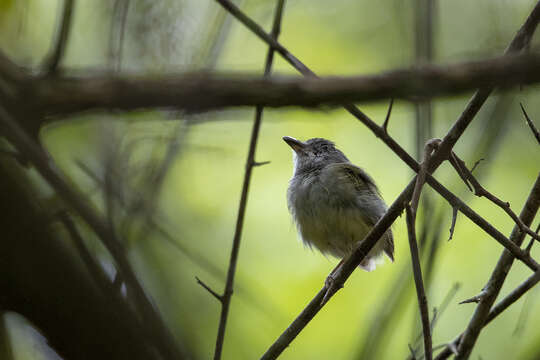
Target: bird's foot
pixel 331 286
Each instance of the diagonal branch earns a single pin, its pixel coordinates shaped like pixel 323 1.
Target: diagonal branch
pixel 498 276
pixel 62 36
pixel 495 311
pixel 420 292
pixel 480 191
pixel 250 164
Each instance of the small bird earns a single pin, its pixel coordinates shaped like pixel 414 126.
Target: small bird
pixel 333 202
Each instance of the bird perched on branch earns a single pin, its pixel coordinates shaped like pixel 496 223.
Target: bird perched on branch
pixel 333 202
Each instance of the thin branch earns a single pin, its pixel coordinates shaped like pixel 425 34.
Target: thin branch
pixel 429 148
pixel 385 124
pixel 498 276
pixel 480 191
pixel 531 124
pixel 61 38
pixel 496 310
pixel 420 293
pixel 209 289
pixel 155 327
pixel 250 164
pixel 476 164
pixel 453 159
pixel 453 224
pixel 116 45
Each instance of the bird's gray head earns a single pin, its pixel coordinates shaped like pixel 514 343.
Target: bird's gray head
pixel 314 154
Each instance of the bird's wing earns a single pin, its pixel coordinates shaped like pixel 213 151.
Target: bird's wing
pixel 362 180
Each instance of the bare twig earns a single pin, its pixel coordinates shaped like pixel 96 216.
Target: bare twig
pixel 453 224
pixel 496 310
pixel 475 299
pixel 459 169
pixel 420 293
pixel 387 118
pixel 209 289
pixel 498 276
pixel 61 38
pixel 531 124
pixel 250 164
pixel 476 164
pixel 480 191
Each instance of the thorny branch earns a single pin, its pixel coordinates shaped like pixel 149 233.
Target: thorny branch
pixel 483 315
pixel 498 276
pixel 480 191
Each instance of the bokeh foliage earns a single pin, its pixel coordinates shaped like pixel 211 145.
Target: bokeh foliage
pixel 198 201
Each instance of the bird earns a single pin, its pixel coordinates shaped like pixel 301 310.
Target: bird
pixel 334 203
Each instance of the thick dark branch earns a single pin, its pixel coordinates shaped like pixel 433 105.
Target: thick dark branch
pixel 204 91
pixel 250 164
pixel 420 292
pixel 61 38
pixel 498 276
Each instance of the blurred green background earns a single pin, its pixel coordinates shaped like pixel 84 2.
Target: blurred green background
pixel 197 205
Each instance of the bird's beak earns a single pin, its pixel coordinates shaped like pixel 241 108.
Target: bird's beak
pixel 296 145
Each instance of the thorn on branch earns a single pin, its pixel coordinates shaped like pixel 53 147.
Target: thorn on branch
pixel 475 299
pixel 531 124
pixel 476 164
pixel 207 288
pixel 259 163
pixel 385 124
pixel 453 224
pixel 458 166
